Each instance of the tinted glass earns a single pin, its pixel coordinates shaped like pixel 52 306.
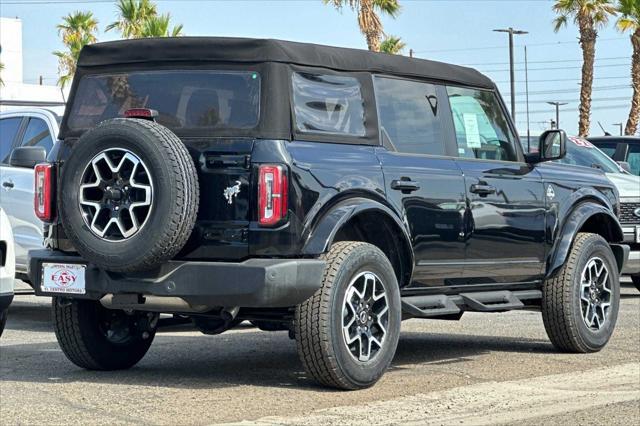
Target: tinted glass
pixel 183 99
pixel 409 116
pixel 581 152
pixel 37 134
pixel 482 129
pixel 8 129
pixel 634 158
pixel 328 104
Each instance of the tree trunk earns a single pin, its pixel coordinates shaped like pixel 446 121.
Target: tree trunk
pixel 588 43
pixel 370 25
pixel 634 113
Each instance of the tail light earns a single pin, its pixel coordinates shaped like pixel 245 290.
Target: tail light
pixel 272 195
pixel 145 113
pixel 43 199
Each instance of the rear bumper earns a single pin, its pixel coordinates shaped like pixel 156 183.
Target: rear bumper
pixel 256 283
pixel 632 237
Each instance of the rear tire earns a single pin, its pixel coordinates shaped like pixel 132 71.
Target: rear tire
pixel 635 279
pixel 580 304
pixel 97 338
pixel 359 302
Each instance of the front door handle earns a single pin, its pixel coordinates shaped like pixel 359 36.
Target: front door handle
pixel 482 189
pixel 8 184
pixel 405 185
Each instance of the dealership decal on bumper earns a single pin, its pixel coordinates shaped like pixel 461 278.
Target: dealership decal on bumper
pixel 63 278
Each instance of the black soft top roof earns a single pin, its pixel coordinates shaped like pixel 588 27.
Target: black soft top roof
pixel 246 50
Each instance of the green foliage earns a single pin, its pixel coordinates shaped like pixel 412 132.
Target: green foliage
pixel 393 45
pixel 629 15
pixel 594 13
pixel 368 19
pixel 77 30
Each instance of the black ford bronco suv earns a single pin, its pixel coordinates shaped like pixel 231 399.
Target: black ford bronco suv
pixel 329 192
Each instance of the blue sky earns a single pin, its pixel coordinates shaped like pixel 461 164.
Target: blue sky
pixel 456 31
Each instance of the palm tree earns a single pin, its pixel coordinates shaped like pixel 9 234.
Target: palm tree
pixel 589 16
pixel 158 26
pixel 78 23
pixel 630 21
pixel 368 19
pixel 393 45
pixel 77 30
pixel 132 15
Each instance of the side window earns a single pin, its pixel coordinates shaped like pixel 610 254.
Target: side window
pixel 37 134
pixel 8 129
pixel 409 116
pixel 328 104
pixel 482 129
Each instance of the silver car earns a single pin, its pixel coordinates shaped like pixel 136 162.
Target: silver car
pixel 35 129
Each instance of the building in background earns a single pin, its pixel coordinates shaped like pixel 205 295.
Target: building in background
pixel 15 93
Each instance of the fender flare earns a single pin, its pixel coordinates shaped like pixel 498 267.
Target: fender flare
pixel 570 228
pixel 322 234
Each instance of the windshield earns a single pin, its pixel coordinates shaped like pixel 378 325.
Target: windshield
pixel 184 99
pixel 581 152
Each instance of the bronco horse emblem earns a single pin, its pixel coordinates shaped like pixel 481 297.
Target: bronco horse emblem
pixel 232 192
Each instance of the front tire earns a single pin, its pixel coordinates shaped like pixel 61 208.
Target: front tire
pixel 580 304
pixel 97 338
pixel 3 319
pixel 347 332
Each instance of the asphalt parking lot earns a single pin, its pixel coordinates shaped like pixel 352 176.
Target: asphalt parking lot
pixel 484 369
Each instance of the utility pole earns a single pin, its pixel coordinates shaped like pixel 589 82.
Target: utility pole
pixel 511 33
pixel 621 125
pixel 411 53
pixel 557 105
pixel 526 83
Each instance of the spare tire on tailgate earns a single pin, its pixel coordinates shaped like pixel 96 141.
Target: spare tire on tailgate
pixel 129 195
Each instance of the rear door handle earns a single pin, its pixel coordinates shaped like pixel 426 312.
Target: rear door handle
pixel 405 185
pixel 483 190
pixel 8 184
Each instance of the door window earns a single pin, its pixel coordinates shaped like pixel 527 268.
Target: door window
pixel 8 129
pixel 37 134
pixel 409 116
pixel 328 104
pixel 482 129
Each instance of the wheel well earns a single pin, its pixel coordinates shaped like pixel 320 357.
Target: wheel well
pixel 603 225
pixel 380 230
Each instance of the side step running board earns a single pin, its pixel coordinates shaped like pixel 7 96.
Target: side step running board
pixel 443 305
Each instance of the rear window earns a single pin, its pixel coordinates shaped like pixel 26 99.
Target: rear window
pixel 328 104
pixel 183 99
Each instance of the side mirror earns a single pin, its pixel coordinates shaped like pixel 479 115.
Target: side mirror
pixel 28 156
pixel 551 146
pixel 624 165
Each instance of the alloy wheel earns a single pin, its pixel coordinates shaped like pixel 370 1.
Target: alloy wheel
pixel 365 316
pixel 595 293
pixel 116 194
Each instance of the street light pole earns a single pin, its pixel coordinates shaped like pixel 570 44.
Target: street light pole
pixel 512 70
pixel 621 126
pixel 557 105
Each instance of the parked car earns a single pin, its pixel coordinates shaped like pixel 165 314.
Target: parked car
pixel 623 149
pixel 37 130
pixel 7 268
pixel 581 152
pixel 329 192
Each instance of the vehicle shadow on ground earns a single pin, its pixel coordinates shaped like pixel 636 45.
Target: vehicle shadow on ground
pixel 243 357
